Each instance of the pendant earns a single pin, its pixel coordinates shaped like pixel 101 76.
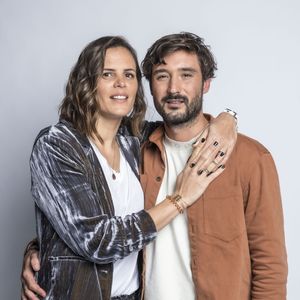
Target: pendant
pixel 113 176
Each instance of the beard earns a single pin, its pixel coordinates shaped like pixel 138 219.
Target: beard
pixel 174 118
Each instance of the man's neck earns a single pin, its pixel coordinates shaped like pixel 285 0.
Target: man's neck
pixel 186 132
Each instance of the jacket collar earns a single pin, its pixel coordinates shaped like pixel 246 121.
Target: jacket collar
pixel 157 135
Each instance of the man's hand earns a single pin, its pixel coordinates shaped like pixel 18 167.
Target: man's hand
pixel 30 288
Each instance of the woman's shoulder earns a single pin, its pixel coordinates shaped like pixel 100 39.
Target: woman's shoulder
pixel 61 133
pixel 146 129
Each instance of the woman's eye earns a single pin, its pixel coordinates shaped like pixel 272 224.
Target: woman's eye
pixel 130 75
pixel 107 74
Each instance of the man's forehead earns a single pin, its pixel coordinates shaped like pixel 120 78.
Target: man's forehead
pixel 179 60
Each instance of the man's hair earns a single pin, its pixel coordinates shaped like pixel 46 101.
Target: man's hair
pixel 80 105
pixel 181 41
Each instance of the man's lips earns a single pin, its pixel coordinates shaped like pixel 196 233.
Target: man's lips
pixel 176 100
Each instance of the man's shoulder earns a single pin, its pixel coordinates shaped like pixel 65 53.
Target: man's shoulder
pixel 249 147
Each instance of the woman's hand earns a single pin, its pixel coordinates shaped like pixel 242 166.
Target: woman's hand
pixel 221 131
pixel 199 173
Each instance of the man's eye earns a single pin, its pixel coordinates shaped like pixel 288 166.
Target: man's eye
pixel 187 75
pixel 161 77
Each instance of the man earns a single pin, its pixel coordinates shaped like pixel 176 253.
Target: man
pixel 230 244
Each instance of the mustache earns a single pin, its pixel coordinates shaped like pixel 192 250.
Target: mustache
pixel 177 96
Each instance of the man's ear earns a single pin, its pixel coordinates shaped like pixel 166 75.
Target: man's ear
pixel 206 85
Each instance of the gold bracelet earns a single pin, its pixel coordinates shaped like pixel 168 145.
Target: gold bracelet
pixel 175 200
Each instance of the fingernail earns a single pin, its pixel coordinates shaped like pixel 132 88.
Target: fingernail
pixel 203 140
pixel 192 165
pixel 221 166
pixel 222 154
pixel 199 172
pixel 215 143
pixel 209 174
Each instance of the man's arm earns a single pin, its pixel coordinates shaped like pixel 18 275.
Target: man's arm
pixel 264 221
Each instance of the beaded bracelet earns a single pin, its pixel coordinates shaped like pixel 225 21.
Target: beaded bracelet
pixel 175 200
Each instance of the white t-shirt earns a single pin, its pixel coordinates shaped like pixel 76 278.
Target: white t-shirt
pixel 168 260
pixel 128 198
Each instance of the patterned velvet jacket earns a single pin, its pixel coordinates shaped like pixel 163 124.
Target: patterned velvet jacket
pixel 78 234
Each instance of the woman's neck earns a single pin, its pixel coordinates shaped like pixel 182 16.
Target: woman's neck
pixel 108 145
pixel 107 130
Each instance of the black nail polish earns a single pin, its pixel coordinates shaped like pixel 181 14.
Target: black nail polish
pixel 222 154
pixel 215 143
pixel 203 140
pixel 192 165
pixel 209 174
pixel 199 172
pixel 220 166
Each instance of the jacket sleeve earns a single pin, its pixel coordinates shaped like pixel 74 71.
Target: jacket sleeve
pixel 61 190
pixel 264 221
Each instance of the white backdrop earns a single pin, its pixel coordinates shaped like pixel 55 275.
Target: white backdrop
pixel 257 46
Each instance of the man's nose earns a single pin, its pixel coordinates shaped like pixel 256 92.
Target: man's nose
pixel 174 86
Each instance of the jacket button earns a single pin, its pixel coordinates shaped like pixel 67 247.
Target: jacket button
pixel 158 179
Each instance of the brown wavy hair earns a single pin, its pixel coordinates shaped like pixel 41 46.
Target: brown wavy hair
pixel 80 106
pixel 171 43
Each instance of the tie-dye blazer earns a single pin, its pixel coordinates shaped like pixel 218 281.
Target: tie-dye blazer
pixel 78 234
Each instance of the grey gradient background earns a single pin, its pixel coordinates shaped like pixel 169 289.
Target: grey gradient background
pixel 257 46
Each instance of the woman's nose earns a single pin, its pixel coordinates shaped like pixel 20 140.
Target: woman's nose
pixel 120 82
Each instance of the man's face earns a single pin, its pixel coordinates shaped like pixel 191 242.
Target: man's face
pixel 177 88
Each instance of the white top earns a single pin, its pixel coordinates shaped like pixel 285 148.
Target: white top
pixel 168 260
pixel 125 273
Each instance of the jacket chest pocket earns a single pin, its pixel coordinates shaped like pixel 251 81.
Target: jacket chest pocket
pixel 224 214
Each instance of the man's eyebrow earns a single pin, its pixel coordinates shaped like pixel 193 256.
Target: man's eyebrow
pixel 184 69
pixel 188 70
pixel 160 71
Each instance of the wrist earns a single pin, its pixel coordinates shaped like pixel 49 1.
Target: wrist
pixel 178 202
pixel 231 113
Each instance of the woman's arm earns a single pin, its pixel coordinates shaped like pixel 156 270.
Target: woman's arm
pixel 61 188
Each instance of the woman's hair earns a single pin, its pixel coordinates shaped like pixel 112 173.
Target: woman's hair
pixel 80 106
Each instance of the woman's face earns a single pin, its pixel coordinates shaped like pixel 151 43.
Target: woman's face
pixel 117 85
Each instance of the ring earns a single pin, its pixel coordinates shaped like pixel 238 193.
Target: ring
pixel 199 172
pixel 214 162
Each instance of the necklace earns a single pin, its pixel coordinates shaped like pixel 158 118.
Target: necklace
pixel 113 174
pixel 111 163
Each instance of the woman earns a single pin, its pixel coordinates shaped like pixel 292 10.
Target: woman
pixel 89 203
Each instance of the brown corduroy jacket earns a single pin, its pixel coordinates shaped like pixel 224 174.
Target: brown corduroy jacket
pixel 236 228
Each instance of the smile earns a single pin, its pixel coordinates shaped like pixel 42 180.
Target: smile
pixel 119 97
